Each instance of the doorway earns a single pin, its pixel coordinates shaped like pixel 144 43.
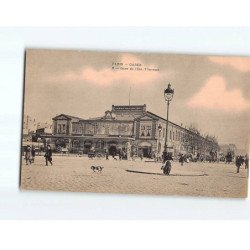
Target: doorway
pixel 112 150
pixel 145 151
pixel 87 147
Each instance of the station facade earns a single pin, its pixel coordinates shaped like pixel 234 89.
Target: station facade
pixel 131 129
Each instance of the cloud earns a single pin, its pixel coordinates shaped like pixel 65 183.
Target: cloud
pixel 240 63
pixel 107 76
pixel 214 96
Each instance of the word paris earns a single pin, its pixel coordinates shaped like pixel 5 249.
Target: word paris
pixel 135 123
pixel 130 64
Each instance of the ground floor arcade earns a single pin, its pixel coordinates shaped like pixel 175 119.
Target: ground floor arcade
pixel 148 148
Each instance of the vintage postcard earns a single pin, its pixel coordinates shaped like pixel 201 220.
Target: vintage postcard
pixel 136 123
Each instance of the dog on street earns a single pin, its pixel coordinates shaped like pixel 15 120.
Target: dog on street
pixel 96 169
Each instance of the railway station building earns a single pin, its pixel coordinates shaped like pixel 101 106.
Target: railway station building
pixel 128 128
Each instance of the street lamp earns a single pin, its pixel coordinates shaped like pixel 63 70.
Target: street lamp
pixel 168 94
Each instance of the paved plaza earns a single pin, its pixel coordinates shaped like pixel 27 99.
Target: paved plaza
pixel 73 173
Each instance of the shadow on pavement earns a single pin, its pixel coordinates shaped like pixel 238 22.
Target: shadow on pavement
pixel 235 176
pixel 141 172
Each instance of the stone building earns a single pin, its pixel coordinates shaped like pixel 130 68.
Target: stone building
pixel 131 129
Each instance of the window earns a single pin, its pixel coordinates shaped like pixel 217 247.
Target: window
pixel 143 132
pixel 173 135
pixel 146 130
pixel 95 128
pixel 170 135
pixel 61 128
pixel 76 128
pixel 89 129
pixel 123 129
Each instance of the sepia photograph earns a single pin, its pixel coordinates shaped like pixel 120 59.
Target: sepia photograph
pixel 135 123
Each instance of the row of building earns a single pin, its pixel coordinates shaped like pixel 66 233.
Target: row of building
pixel 130 129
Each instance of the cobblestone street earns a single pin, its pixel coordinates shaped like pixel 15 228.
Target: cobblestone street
pixel 71 173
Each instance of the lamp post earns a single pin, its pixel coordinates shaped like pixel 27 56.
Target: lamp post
pixel 168 95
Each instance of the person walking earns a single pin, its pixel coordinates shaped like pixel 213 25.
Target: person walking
pixel 167 166
pixel 238 163
pixel 141 156
pixel 28 155
pixel 246 162
pixel 120 155
pixel 107 155
pixel 33 153
pixel 182 159
pixel 48 155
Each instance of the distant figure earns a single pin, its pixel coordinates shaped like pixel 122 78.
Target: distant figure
pixel 238 163
pixel 154 156
pixel 167 167
pixel 28 155
pixel 229 158
pixel 167 157
pixel 182 159
pixel 48 155
pixel 246 162
pixel 133 156
pixel 40 150
pixel 33 153
pixel 107 155
pixel 141 156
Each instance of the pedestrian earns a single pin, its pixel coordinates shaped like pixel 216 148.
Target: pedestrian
pixel 246 162
pixel 182 159
pixel 28 155
pixel 48 155
pixel 120 155
pixel 107 155
pixel 141 156
pixel 33 153
pixel 154 156
pixel 133 156
pixel 238 163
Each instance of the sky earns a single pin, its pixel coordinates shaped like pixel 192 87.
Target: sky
pixel 211 92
